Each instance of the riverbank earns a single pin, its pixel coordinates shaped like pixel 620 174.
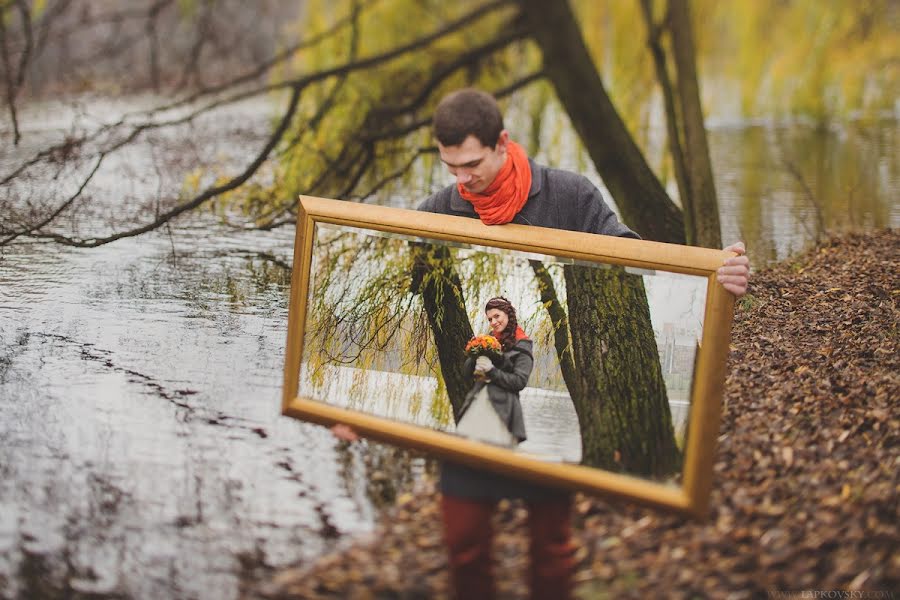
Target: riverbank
pixel 807 475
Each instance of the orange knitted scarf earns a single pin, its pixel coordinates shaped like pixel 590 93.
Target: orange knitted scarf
pixel 506 195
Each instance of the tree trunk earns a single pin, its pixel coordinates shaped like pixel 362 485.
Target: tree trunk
pixel 638 193
pixel 558 319
pixel 619 392
pixel 436 279
pixel 673 132
pixel 703 203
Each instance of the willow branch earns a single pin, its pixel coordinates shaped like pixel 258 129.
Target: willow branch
pixel 450 28
pixel 330 101
pixel 515 32
pixel 296 86
pixel 426 120
pixel 397 174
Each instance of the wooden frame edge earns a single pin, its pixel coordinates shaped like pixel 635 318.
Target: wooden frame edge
pixel 293 352
pixel 477 454
pixel 676 258
pixel 693 496
pixel 706 403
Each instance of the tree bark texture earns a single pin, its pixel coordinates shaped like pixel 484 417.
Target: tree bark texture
pixel 673 132
pixel 705 216
pixel 619 392
pixel 442 295
pixel 559 321
pixel 638 193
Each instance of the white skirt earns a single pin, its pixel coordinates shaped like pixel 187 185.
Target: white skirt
pixel 482 423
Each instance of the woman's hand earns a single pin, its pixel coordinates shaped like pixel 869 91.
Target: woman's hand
pixel 483 364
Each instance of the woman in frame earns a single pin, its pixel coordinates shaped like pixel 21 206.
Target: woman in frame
pixel 492 411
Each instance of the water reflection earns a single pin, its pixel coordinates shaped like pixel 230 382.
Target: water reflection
pixel 141 449
pixel 781 187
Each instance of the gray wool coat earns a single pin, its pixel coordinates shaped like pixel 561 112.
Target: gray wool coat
pixel 508 377
pixel 557 199
pixel 561 200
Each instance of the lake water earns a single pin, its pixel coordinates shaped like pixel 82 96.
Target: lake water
pixel 141 449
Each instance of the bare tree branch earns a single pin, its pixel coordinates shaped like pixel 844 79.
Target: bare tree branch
pixel 25 15
pixel 203 33
pixel 200 198
pixel 285 215
pixel 15 77
pixel 296 85
pixel 426 120
pixel 35 227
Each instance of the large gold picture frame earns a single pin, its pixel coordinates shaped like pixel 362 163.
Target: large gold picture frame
pixel 691 498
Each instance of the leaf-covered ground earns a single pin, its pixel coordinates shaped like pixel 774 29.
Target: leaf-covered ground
pixel 807 478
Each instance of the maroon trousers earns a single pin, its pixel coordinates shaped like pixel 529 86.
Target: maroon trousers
pixel 468 534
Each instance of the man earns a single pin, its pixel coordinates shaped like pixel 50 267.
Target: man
pixel 497 183
pixel 474 145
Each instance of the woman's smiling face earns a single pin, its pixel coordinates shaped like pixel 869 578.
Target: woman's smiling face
pixel 497 319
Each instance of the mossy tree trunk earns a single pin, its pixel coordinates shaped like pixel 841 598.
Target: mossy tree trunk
pixel 618 388
pixel 643 202
pixel 442 295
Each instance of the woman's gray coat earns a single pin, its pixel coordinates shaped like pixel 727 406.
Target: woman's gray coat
pixel 508 377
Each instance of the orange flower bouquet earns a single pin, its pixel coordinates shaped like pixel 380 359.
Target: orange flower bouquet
pixel 484 345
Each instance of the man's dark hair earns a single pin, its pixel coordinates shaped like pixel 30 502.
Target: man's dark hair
pixel 468 112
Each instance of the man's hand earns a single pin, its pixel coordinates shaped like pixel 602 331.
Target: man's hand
pixel 735 271
pixel 344 432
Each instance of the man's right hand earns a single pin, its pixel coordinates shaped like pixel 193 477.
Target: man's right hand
pixel 344 432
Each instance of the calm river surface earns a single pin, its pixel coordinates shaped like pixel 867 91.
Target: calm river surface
pixel 141 449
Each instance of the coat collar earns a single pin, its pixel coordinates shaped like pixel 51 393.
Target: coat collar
pixel 523 345
pixel 459 204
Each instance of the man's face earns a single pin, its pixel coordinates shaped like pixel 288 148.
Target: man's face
pixel 475 165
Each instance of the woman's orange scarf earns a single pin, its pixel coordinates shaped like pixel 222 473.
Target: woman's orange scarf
pixel 506 195
pixel 518 334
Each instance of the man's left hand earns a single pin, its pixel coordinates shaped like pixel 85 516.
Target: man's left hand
pixel 735 271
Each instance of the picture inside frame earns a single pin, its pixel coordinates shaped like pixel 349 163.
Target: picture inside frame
pixel 627 339
pixel 614 347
